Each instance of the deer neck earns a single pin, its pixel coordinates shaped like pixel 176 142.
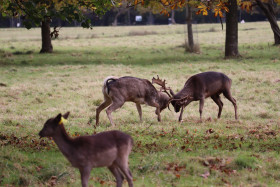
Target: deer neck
pixel 187 90
pixel 63 141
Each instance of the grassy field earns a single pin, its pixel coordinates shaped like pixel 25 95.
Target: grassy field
pixel 215 152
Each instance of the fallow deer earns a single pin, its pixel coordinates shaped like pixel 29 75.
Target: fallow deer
pixel 199 87
pixel 106 149
pixel 117 91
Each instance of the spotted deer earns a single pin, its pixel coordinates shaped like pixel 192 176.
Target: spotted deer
pixel 106 149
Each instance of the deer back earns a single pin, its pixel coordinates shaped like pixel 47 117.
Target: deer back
pixel 101 149
pixel 204 84
pixel 131 89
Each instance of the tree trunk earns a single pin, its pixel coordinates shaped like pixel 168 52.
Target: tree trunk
pixel 270 13
pixel 173 17
pixel 189 24
pixel 128 17
pixel 150 19
pixel 231 47
pixel 46 37
pixel 115 22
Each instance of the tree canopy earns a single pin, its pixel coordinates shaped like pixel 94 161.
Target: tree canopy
pixel 33 12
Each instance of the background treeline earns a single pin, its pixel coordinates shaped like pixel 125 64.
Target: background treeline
pixel 127 17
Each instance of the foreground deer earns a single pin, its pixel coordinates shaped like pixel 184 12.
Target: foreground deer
pixel 200 86
pixel 117 91
pixel 110 149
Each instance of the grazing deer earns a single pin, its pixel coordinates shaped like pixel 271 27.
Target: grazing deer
pixel 200 86
pixel 106 149
pixel 117 91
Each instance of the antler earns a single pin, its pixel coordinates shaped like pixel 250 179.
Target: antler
pixel 182 101
pixel 162 84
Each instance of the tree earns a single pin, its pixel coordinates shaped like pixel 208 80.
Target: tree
pixel 173 17
pixel 120 10
pixel 231 47
pixel 189 25
pixel 219 7
pixel 41 12
pixel 268 8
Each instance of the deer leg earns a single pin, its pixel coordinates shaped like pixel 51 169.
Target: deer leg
pixel 154 104
pixel 201 104
pixel 123 165
pixel 138 106
pixel 217 100
pixel 182 110
pixel 85 173
pixel 158 114
pixel 116 172
pixel 227 94
pixel 181 113
pixel 106 103
pixel 114 106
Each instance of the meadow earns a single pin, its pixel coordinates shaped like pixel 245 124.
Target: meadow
pixel 214 152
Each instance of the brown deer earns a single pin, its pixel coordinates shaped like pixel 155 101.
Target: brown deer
pixel 117 91
pixel 199 87
pixel 106 149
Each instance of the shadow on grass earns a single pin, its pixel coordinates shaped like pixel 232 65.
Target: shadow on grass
pixel 110 56
pixel 133 56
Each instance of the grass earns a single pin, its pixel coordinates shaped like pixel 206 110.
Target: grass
pixel 211 153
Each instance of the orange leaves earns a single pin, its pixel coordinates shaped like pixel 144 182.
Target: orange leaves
pixel 136 2
pixel 165 12
pixel 246 5
pixel 220 8
pixel 202 9
pixel 166 5
pixel 173 4
pixel 165 2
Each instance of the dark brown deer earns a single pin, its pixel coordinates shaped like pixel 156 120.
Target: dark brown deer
pixel 199 87
pixel 106 149
pixel 117 91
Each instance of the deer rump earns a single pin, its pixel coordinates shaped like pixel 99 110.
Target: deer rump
pixel 117 91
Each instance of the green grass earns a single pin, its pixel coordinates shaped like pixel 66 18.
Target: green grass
pixel 39 86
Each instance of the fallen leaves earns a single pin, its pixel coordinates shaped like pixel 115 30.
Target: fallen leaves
pixel 52 181
pixel 26 142
pixel 205 175
pixel 217 164
pixel 176 168
pixel 210 131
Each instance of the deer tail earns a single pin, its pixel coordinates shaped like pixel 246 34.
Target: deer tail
pixel 105 88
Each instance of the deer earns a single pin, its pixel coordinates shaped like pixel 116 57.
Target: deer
pixel 117 91
pixel 109 149
pixel 199 87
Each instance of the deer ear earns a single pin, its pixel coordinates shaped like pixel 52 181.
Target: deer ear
pixel 58 118
pixel 66 115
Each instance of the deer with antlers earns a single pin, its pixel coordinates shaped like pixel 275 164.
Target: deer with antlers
pixel 199 87
pixel 117 91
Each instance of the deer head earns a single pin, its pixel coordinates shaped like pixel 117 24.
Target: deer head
pixel 177 103
pixel 52 124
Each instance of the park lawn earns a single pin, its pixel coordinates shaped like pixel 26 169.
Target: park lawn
pixel 214 152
